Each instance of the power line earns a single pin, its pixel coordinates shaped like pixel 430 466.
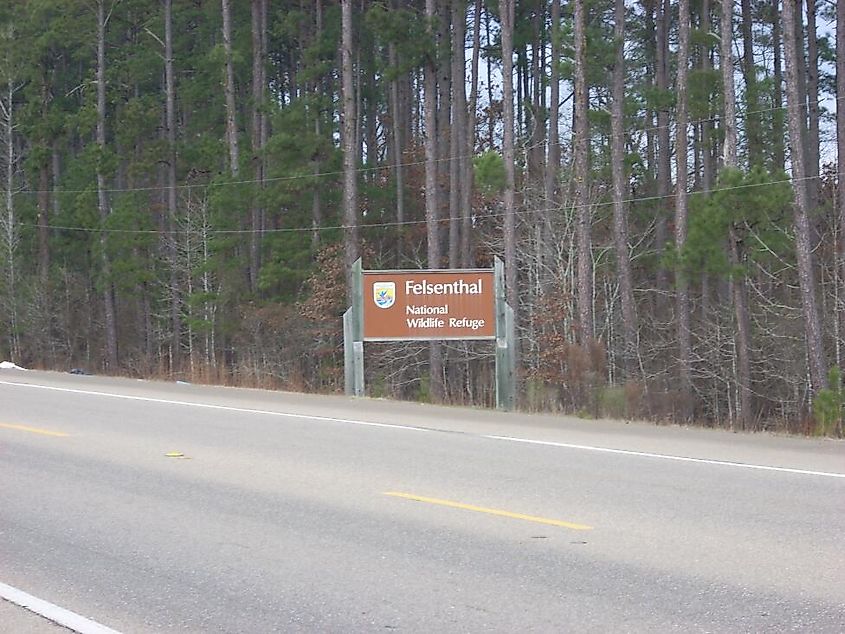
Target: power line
pixel 360 170
pixel 377 225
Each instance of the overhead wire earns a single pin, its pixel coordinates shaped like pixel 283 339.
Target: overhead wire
pixel 366 169
pixel 360 170
pixel 387 224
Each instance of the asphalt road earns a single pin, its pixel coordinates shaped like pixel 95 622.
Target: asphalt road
pixel 292 513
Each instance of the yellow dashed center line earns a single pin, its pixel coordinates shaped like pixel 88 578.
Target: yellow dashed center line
pixel 34 430
pixel 489 511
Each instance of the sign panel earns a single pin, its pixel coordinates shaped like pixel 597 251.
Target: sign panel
pixel 431 304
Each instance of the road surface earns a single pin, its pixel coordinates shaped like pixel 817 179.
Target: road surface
pixel 155 507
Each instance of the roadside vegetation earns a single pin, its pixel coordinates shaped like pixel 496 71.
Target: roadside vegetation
pixel 185 184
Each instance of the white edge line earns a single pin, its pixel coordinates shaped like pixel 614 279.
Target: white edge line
pixel 54 613
pixel 548 443
pixel 227 408
pixel 646 454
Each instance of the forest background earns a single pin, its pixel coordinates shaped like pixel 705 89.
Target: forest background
pixel 186 182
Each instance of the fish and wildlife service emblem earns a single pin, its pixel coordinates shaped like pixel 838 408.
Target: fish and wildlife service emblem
pixel 384 294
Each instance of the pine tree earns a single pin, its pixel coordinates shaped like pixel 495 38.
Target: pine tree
pixel 803 242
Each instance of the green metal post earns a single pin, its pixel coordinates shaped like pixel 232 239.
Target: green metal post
pixel 504 342
pixel 353 336
pixel 510 361
pixel 358 328
pixel 348 355
pixel 358 301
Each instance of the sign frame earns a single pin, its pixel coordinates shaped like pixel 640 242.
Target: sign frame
pixel 503 334
pixel 482 308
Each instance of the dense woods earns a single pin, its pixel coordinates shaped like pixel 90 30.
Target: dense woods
pixel 186 183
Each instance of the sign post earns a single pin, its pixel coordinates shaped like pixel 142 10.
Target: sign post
pixel 505 393
pixel 425 305
pixel 348 358
pixel 353 338
pixel 353 357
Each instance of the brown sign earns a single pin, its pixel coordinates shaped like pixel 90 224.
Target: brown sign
pixel 438 304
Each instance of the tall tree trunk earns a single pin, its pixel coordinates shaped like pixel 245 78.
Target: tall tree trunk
pixel 348 139
pixel 743 336
pixel 491 119
pixel 9 223
pixel 552 167
pixel 682 315
pixel 520 91
pixel 444 98
pixel 537 130
pixel 467 170
pixel 43 222
pixel 553 154
pixel 371 115
pixel 259 55
pixel 170 120
pixel 706 125
pixel 778 133
pixel 109 312
pixel 229 89
pixel 664 147
pixel 432 207
pixel 506 9
pixel 801 73
pixel 316 195
pixel 43 201
pixel 813 184
pixel 743 330
pixel 803 245
pixel 745 416
pixel 55 179
pixel 620 212
pixel 650 50
pixel 727 68
pixel 56 176
pixel 840 161
pixel 752 105
pixel 398 169
pixel 582 175
pixel 457 133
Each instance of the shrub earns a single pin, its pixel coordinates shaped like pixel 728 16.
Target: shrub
pixel 829 406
